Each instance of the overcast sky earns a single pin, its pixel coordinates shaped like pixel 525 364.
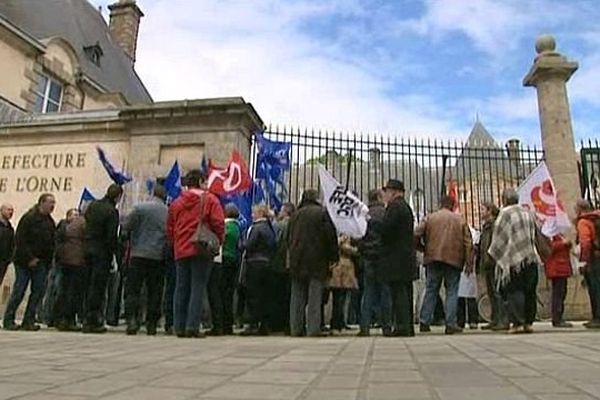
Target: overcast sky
pixel 406 67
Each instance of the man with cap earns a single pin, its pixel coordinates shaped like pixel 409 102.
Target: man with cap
pixel 398 266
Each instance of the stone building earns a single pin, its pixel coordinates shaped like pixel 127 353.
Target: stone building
pixel 69 84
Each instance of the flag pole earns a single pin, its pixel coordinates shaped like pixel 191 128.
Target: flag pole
pixel 348 168
pixel 443 187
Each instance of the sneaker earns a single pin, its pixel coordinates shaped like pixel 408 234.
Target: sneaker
pixel 488 327
pixel 215 332
pixel 451 330
pixel 473 326
pixel 336 332
pixel 424 328
pixel 562 324
pixel 151 329
pixel 250 331
pixel 30 327
pixel 528 328
pixel 194 334
pixel 500 328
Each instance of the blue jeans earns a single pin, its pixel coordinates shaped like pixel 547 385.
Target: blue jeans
pixel 37 276
pixel 376 298
pixel 191 281
pixel 436 273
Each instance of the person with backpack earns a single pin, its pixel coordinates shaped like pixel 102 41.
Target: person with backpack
pixel 588 237
pixel 259 250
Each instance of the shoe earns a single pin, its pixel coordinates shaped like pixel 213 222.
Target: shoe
pixel 562 324
pixel 451 330
pixel 151 328
pixel 488 327
pixel 336 332
pixel 387 332
pixel 500 328
pixel 424 328
pixel 30 327
pixel 319 334
pixel 250 331
pixel 195 334
pixel 181 334
pixel 227 331
pixel 68 327
pixel 11 326
pixel 528 328
pixel 398 333
pixel 98 329
pixel 363 333
pixel 516 329
pixel 593 324
pixel 215 332
pixel 169 331
pixel 473 326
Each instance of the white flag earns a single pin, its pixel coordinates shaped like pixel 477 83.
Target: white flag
pixel 348 213
pixel 538 194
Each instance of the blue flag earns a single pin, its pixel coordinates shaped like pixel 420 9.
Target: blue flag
pixel 150 185
pixel 86 197
pixel 272 160
pixel 118 177
pixel 244 202
pixel 173 182
pixel 204 165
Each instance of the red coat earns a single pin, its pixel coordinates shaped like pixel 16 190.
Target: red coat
pixel 183 219
pixel 558 264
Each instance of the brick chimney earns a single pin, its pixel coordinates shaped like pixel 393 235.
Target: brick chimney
pixel 124 25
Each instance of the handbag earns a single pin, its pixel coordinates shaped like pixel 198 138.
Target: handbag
pixel 204 238
pixel 543 245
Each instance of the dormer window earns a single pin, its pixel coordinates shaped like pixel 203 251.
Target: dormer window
pixel 94 53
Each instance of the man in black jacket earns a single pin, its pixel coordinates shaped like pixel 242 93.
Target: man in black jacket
pixel 102 223
pixel 34 249
pixel 313 247
pixel 7 239
pixel 376 295
pixel 399 266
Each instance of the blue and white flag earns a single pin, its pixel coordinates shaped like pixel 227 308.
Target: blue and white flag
pixel 86 198
pixel 272 160
pixel 118 177
pixel 173 183
pixel 244 202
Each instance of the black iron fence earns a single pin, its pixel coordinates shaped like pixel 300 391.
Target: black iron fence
pixel 479 168
pixel 590 171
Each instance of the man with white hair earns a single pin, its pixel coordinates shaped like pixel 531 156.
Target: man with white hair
pixel 517 260
pixel 7 238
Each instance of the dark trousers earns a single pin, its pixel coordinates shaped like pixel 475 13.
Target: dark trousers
pixel 3 269
pixel 143 271
pixel 338 320
pixel 48 308
pixel 96 294
pixel 520 295
pixel 559 294
pixel 169 293
pixel 24 275
pixel 257 293
pixel 499 316
pixel 71 293
pixel 227 287
pixel 376 299
pixel 592 281
pixel 467 311
pixel 193 274
pixel 279 319
pixel 402 307
pixel 215 300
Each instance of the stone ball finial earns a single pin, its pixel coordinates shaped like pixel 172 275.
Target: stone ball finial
pixel 545 44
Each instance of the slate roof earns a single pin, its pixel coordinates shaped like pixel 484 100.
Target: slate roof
pixel 82 25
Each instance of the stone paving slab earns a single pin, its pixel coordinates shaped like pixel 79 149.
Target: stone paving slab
pixel 551 365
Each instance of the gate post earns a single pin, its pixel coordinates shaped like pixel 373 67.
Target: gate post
pixel 549 75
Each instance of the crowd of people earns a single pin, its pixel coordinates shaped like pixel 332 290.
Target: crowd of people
pixel 189 268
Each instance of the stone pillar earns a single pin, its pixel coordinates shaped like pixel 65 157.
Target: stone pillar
pixel 549 75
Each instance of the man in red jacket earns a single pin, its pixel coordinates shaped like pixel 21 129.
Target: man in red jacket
pixel 590 255
pixel 192 267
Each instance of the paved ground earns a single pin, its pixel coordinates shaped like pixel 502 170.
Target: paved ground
pixel 481 366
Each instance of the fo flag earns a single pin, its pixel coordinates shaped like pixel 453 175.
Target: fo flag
pixel 348 213
pixel 86 198
pixel 173 183
pixel 538 194
pixel 230 180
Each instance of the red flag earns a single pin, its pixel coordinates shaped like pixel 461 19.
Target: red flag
pixel 453 192
pixel 233 179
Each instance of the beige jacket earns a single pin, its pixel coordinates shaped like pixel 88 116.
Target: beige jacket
pixel 445 237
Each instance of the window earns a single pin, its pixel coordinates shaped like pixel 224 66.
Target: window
pixel 48 95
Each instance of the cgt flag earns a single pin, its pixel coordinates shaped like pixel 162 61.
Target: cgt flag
pixel 118 177
pixel 538 194
pixel 348 213
pixel 230 180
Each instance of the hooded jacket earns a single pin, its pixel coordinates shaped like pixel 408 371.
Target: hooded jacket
pixel 558 265
pixel 34 238
pixel 587 236
pixel 183 219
